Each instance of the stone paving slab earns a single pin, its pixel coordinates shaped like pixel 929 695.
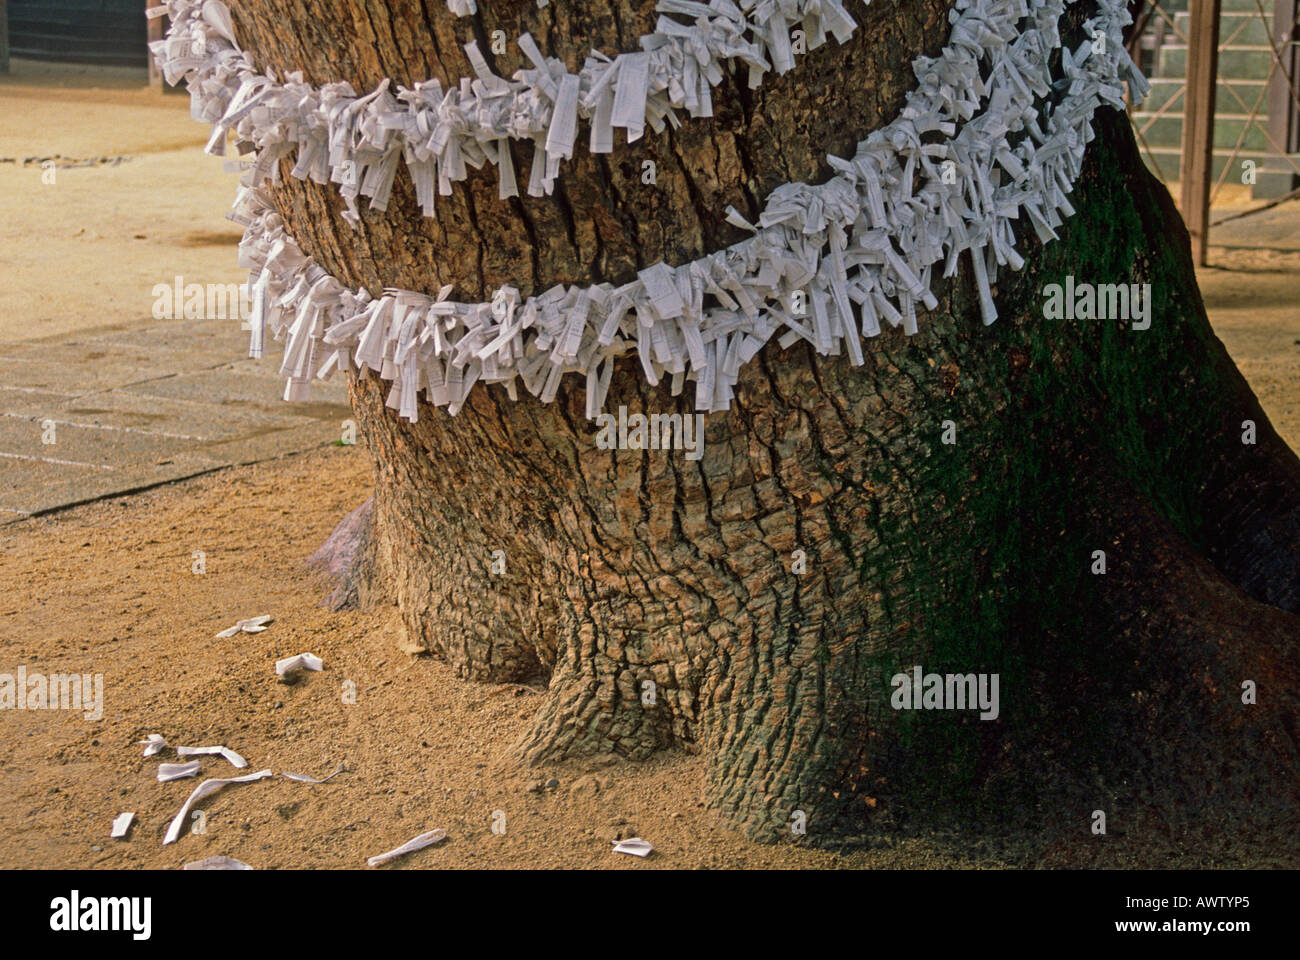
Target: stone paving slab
pixel 1273 228
pixel 70 373
pixel 17 471
pixel 14 396
pixel 63 487
pixel 202 420
pixel 143 404
pixel 272 444
pixel 178 334
pixel 241 387
pixel 110 449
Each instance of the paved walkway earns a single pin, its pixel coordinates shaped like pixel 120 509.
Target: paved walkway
pixel 146 404
pixel 132 202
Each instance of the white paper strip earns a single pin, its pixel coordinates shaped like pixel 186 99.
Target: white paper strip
pixel 301 661
pixel 177 771
pixel 631 93
pixel 252 624
pixel 226 752
pixel 121 824
pixel 303 778
pixel 633 846
pixel 206 788
pixel 217 863
pixel 153 743
pixel 410 846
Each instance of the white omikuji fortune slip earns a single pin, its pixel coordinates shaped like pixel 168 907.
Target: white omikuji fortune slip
pixel 301 778
pixel 217 863
pixel 177 771
pixel 410 846
pixel 304 778
pixel 633 846
pixel 226 752
pixel 251 625
pixel 121 824
pixel 204 789
pixel 154 743
pixel 301 661
pixel 993 135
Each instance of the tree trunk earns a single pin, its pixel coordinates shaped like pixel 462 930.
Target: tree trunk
pixel 1120 691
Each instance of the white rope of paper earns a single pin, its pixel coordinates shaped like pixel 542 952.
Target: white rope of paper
pixel 864 243
pixel 357 141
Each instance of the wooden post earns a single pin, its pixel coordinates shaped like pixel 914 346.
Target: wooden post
pixel 4 36
pixel 1283 121
pixel 1198 123
pixel 155 33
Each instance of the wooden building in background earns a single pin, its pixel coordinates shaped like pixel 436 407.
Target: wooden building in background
pixel 109 32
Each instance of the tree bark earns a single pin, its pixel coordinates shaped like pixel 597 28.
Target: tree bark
pixel 1120 691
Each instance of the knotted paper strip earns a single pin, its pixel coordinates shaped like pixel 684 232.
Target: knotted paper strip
pixel 356 140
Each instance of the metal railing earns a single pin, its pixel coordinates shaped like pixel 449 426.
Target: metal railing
pixel 1208 102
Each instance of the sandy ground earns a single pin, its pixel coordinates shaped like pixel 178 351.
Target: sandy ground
pixel 102 234
pixel 1251 289
pixel 109 588
pixel 116 594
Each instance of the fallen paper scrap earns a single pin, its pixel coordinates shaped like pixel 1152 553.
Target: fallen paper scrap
pixel 634 846
pixel 177 771
pixel 202 790
pixel 152 744
pixel 251 625
pixel 303 778
pixel 121 824
pixel 226 752
pixel 410 846
pixel 217 863
pixel 303 661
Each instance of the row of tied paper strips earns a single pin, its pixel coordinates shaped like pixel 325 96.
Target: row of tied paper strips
pixel 358 141
pixel 988 135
